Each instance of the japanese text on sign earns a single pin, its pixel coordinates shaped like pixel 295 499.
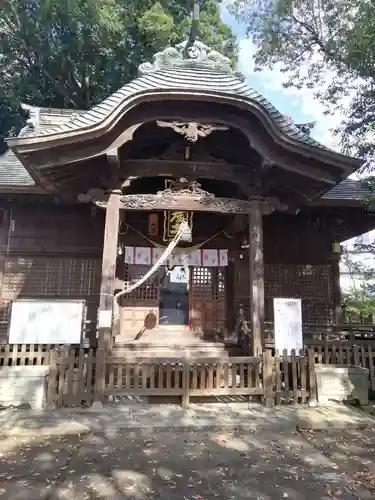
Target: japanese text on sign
pixel 172 221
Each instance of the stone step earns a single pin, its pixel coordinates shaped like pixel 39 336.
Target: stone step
pixel 137 351
pixel 171 335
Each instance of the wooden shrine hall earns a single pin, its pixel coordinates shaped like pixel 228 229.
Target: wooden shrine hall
pixel 91 199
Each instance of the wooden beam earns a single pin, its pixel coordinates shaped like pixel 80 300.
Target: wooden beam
pixel 256 266
pixel 183 168
pixel 279 156
pixel 147 202
pixel 113 174
pixel 237 226
pixel 243 176
pixel 107 287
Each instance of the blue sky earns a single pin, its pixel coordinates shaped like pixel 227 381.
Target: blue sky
pixel 299 104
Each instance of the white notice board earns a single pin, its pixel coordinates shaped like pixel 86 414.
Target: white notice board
pixel 179 275
pixel 46 321
pixel 288 324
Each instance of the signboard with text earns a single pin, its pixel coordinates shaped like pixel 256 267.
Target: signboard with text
pixel 288 324
pixel 172 221
pixel 39 321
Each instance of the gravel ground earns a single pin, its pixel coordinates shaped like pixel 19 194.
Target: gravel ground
pixel 177 465
pixel 352 450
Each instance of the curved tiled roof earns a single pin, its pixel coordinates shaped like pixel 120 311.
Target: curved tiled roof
pixel 183 79
pixel 186 69
pixel 349 189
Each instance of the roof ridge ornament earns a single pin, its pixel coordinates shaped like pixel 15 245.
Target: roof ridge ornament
pixel 194 30
pixel 189 54
pixel 192 53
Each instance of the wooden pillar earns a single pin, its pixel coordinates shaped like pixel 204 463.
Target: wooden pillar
pixel 5 217
pixel 256 268
pixel 107 287
pixel 336 289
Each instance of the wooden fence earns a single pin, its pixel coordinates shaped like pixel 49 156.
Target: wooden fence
pixel 357 355
pixel 25 354
pixel 80 377
pixel 320 334
pixel 89 377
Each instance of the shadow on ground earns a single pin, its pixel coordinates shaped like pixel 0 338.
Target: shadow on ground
pixel 352 449
pixel 223 414
pixel 171 464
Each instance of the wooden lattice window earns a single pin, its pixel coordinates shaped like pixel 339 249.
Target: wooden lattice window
pixel 55 277
pixel 208 282
pixel 309 281
pixel 219 283
pixel 51 277
pixel 148 290
pixel 201 281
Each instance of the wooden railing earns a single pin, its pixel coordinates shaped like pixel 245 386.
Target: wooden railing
pixel 90 376
pixel 340 354
pixel 80 377
pixel 320 334
pixel 293 377
pixel 313 334
pixel 25 354
pixel 227 376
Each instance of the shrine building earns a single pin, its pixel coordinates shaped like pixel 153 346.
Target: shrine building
pixel 91 199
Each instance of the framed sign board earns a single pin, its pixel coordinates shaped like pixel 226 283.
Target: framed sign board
pixel 288 324
pixel 39 321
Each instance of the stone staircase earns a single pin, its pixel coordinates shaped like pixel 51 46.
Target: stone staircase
pixel 172 342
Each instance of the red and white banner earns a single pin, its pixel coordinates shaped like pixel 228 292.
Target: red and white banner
pixel 203 258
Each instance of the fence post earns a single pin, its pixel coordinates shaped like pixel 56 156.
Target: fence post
pixel 185 384
pixel 268 398
pixel 52 380
pixel 312 378
pixel 99 379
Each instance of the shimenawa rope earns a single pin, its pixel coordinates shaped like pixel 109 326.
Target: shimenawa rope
pixel 167 252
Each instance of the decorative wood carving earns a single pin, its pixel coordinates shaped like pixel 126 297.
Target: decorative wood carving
pixel 177 202
pixel 188 196
pixel 191 131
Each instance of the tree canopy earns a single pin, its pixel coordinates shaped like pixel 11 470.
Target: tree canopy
pixel 74 53
pixel 326 45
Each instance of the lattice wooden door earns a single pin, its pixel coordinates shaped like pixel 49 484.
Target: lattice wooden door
pixel 139 308
pixel 207 299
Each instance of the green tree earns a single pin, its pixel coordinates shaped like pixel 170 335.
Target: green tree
pixel 359 289
pixel 318 41
pixel 74 53
pixel 11 122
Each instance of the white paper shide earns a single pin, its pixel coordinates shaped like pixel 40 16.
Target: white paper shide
pixel 288 324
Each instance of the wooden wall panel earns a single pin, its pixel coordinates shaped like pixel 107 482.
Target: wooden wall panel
pixel 56 251
pixel 54 230
pixel 53 252
pixel 297 254
pixel 312 283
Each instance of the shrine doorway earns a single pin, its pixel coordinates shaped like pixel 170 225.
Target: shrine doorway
pixel 207 303
pixel 174 297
